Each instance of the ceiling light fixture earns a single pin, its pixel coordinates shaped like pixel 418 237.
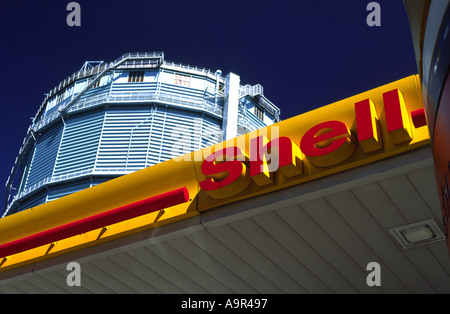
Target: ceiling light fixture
pixel 419 233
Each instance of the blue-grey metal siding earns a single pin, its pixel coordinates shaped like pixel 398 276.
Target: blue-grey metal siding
pixel 118 89
pixel 124 140
pixel 79 143
pixel 44 156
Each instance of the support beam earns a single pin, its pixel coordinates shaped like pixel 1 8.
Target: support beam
pixel 230 110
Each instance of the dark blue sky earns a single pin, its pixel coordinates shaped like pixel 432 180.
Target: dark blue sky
pixel 306 54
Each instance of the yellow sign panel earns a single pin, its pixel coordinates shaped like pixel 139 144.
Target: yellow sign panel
pixel 355 131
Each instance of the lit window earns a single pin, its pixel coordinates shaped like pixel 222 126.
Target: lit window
pixel 136 76
pixel 259 113
pixel 182 80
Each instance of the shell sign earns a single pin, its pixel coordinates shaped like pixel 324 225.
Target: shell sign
pixel 349 133
pixel 356 131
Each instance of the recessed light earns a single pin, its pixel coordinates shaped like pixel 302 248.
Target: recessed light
pixel 419 233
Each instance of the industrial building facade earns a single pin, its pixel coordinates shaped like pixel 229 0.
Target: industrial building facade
pixel 111 119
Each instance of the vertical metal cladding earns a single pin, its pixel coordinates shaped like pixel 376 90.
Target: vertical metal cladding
pixel 111 119
pixel 44 155
pixel 78 148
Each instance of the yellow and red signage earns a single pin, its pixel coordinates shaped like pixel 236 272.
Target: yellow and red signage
pixel 359 130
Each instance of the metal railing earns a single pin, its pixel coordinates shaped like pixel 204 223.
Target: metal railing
pixel 86 72
pixel 251 90
pixel 188 67
pixel 133 97
pixel 155 59
pixel 258 90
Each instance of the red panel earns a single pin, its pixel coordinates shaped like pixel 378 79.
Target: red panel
pixel 107 218
pixel 418 118
pixel 364 120
pixel 393 111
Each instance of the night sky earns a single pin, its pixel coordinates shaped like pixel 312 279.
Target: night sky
pixel 306 54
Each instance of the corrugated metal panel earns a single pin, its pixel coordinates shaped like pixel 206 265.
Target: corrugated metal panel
pixel 138 138
pixel 125 139
pixel 177 133
pixel 118 89
pixel 181 90
pixel 44 156
pixel 26 168
pixel 254 122
pixel 79 143
pixel 56 192
pixel 211 132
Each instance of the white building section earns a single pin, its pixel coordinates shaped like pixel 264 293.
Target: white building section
pixel 111 119
pixel 230 114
